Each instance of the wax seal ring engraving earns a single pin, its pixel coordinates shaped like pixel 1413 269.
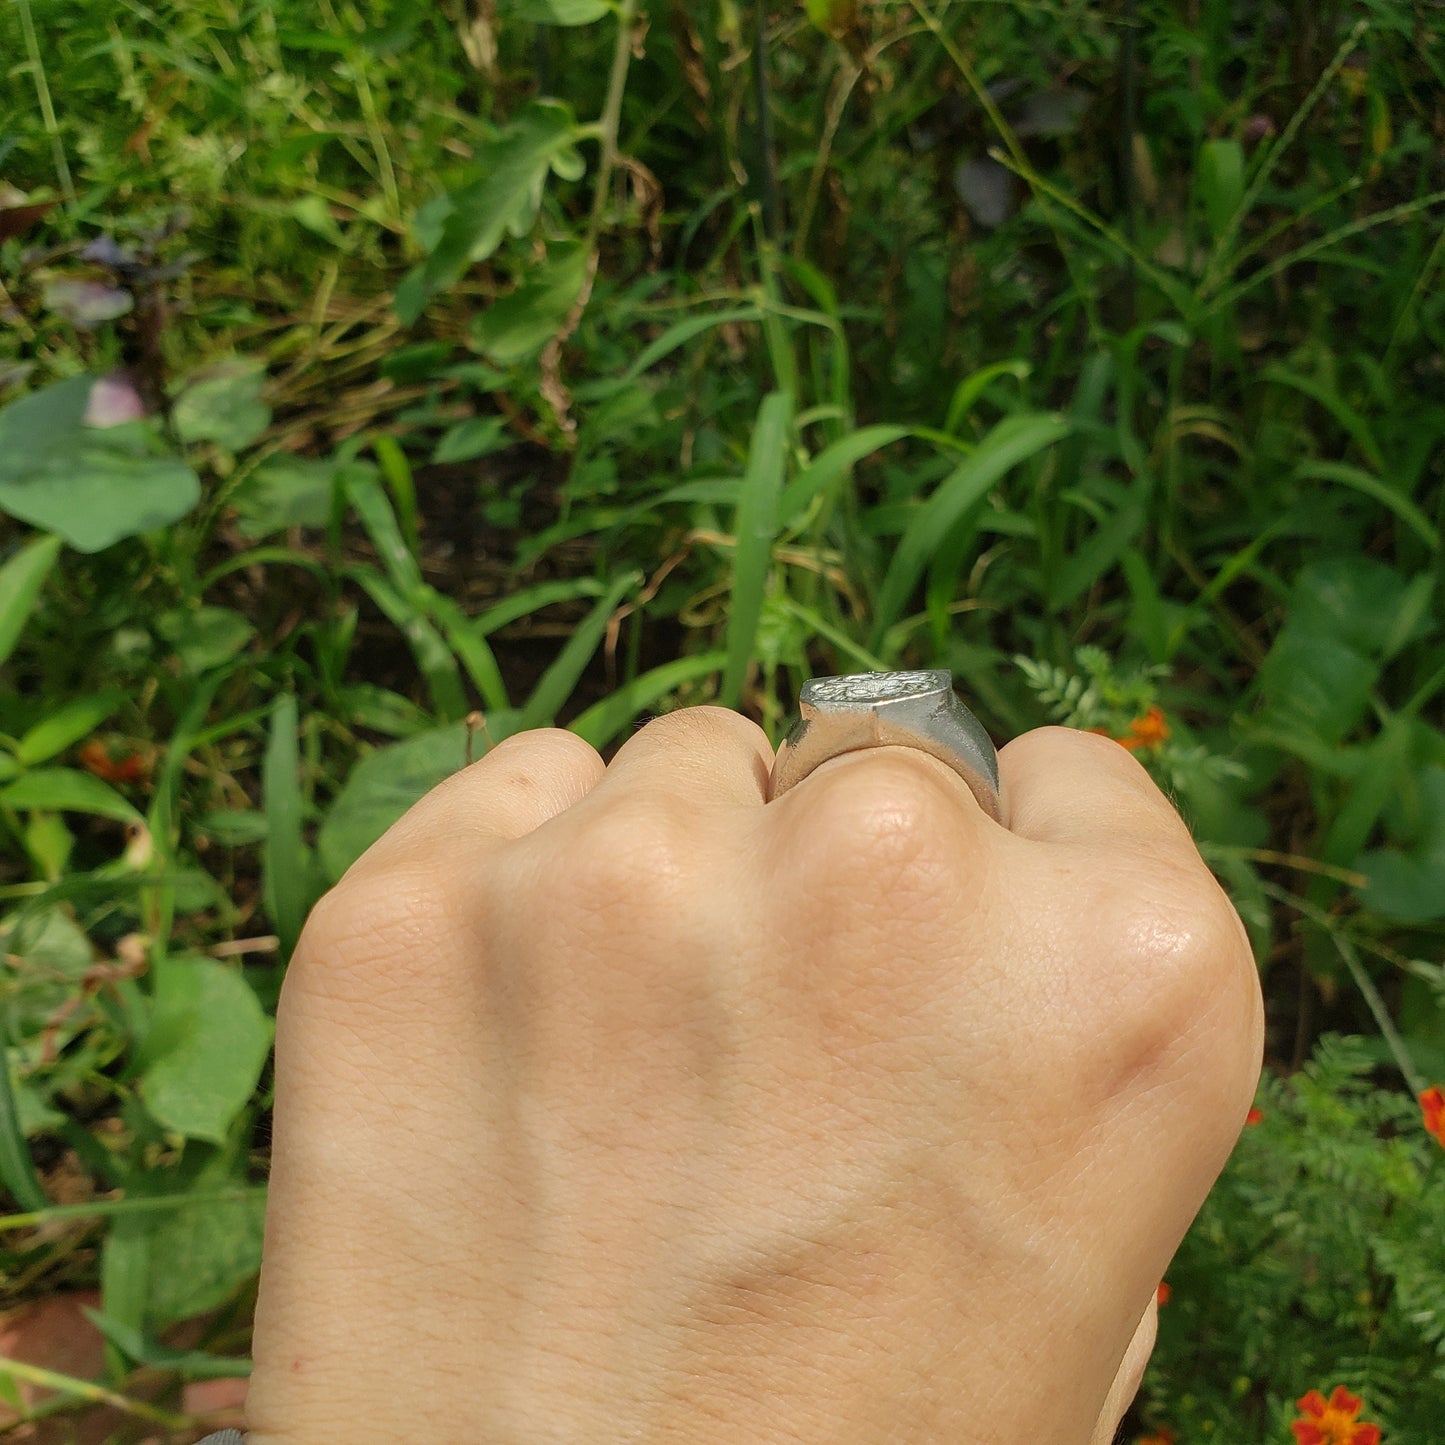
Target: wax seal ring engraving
pixel 880 709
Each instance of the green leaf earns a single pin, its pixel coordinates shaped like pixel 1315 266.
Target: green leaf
pixel 384 785
pixel 285 867
pixel 92 486
pixel 755 529
pixel 832 463
pixel 477 436
pixel 68 724
pixel 204 637
pixel 67 790
pixel 206 1252
pixel 560 680
pixel 21 581
pixel 1221 182
pixel 555 12
pixel 189 1364
pixel 606 720
pixel 217 1037
pixel 1408 885
pixel 1379 490
pixel 223 406
pixel 233 827
pixel 17 1168
pixel 521 324
pixel 282 493
pixel 503 199
pixel 1015 439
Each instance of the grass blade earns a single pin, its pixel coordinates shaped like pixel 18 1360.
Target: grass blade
pixel 557 683
pixel 606 720
pixel 21 579
pixel 756 529
pixel 17 1168
pixel 284 864
pixel 1012 441
pixel 1381 491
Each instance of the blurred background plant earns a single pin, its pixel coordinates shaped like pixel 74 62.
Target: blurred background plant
pixel 378 380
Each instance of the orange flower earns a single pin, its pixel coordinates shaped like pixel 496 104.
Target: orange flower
pixel 1162 1436
pixel 1334 1421
pixel 1147 731
pixel 113 766
pixel 1432 1105
pixel 1162 1294
pixel 1255 1116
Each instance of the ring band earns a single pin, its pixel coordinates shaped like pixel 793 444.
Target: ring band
pixel 881 709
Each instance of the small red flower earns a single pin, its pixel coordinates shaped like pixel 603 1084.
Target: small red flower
pixel 114 766
pixel 1432 1106
pixel 1147 731
pixel 1255 1116
pixel 1162 1294
pixel 1335 1421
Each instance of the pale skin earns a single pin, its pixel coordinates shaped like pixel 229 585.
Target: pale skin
pixel 615 1103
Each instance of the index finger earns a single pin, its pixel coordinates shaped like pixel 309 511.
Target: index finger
pixel 1066 786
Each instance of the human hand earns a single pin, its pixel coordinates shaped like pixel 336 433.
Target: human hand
pixel 618 1104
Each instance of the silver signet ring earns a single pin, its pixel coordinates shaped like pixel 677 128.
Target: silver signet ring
pixel 881 709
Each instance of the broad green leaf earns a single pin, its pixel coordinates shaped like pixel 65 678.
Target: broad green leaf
pixel 204 637
pixel 217 1037
pixel 755 529
pixel 21 581
pixel 1408 885
pixel 93 486
pixel 67 790
pixel 555 12
pixel 477 436
pixel 204 1253
pixel 381 787
pixel 50 954
pixel 1013 440
pixel 1315 682
pixel 520 325
pixel 68 724
pixel 223 406
pixel 282 493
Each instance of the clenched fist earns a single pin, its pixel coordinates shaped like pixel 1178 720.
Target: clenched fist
pixel 615 1103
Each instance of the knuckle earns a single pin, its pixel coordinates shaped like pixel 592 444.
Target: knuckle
pixel 632 859
pixel 1187 985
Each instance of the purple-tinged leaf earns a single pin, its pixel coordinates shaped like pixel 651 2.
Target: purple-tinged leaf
pixel 1051 113
pixel 106 251
pixel 16 220
pixel 87 304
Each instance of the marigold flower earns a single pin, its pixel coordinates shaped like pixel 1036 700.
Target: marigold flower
pixel 1255 1116
pixel 1432 1105
pixel 1161 1295
pixel 1147 731
pixel 1335 1421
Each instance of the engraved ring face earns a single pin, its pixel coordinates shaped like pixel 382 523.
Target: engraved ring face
pixel 862 688
pixel 862 710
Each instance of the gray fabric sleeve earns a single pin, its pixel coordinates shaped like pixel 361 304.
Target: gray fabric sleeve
pixel 224 1437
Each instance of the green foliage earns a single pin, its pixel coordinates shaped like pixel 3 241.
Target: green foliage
pixel 380 380
pixel 1318 1260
